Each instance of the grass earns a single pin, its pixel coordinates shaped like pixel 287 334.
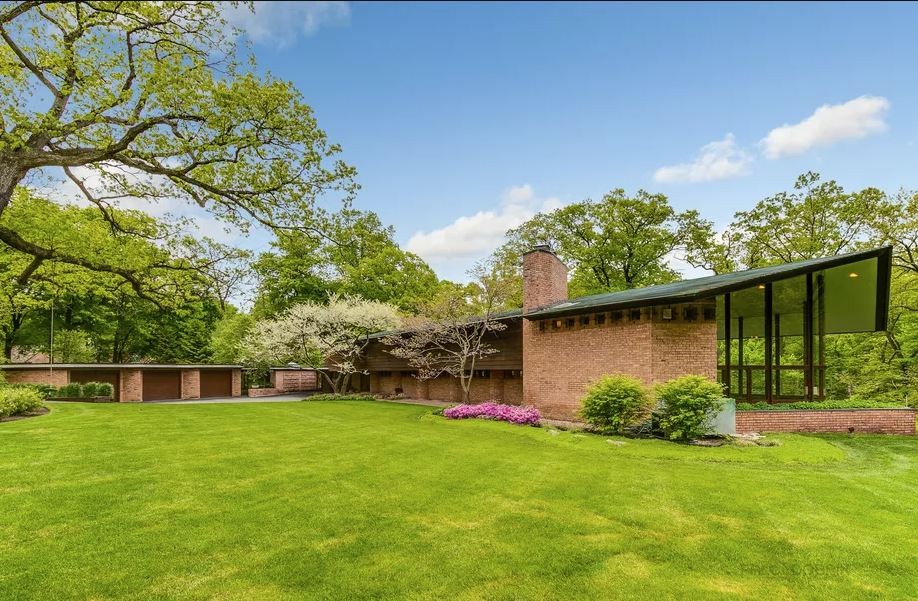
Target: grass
pixel 353 500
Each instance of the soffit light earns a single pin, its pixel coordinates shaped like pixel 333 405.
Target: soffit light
pixel 852 275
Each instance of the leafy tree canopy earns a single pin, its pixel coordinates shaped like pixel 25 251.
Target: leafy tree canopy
pixel 356 256
pixel 616 243
pixel 152 100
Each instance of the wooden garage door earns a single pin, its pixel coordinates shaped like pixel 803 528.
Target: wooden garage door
pixel 216 382
pixel 161 384
pixel 97 375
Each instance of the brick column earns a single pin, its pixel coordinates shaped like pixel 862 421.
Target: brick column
pixel 237 382
pixel 423 389
pixel 131 386
pixel 496 386
pixel 544 283
pixel 191 383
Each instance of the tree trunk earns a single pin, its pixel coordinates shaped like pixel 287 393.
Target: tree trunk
pixel 10 176
pixel 331 382
pixel 466 383
pixel 8 336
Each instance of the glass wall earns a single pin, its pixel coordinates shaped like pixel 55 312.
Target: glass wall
pixel 772 335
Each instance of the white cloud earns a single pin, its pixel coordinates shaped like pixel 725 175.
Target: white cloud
pixel 830 123
pixel 717 160
pixel 473 237
pixel 279 23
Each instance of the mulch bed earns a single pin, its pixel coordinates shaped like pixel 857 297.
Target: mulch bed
pixel 36 413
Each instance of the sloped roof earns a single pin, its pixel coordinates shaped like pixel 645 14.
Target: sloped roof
pixel 709 286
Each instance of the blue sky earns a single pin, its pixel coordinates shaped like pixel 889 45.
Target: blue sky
pixel 464 118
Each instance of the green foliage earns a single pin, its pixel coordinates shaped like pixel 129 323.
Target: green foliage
pixel 617 243
pixel 355 255
pixel 71 346
pixel 853 403
pixel 72 390
pixel 104 389
pixel 816 219
pixel 687 406
pixel 90 389
pixel 46 391
pixel 228 334
pixel 18 400
pixel 615 402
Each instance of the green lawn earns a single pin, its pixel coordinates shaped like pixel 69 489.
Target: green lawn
pixel 348 500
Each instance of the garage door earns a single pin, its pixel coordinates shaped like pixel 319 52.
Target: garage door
pixel 97 375
pixel 161 384
pixel 216 382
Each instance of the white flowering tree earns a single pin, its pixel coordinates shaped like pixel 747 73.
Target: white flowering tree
pixel 329 338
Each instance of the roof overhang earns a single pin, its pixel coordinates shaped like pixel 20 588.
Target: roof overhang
pixel 710 286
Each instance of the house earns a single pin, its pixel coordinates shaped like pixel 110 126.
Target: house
pixel 136 381
pixel 761 332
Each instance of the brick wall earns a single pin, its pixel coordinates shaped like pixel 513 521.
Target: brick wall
pixel 58 377
pixel 262 392
pixel 294 380
pixel 877 421
pixel 131 385
pixel 191 383
pixel 683 347
pixel 237 382
pixel 444 388
pixel 558 365
pixel 513 391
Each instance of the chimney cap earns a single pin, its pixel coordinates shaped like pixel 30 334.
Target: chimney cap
pixel 543 248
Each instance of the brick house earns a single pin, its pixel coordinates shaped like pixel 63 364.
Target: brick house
pixel 134 382
pixel 554 346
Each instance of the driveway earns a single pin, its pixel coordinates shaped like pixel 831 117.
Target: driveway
pixel 282 398
pixel 287 398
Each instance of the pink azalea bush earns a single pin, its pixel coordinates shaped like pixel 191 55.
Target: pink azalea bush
pixel 506 413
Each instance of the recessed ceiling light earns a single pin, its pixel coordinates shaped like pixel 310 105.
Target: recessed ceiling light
pixel 761 286
pixel 852 275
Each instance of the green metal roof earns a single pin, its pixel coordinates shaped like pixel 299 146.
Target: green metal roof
pixel 709 286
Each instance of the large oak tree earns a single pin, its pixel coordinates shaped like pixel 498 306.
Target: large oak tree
pixel 153 100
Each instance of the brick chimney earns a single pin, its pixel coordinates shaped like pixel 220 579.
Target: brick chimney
pixel 544 278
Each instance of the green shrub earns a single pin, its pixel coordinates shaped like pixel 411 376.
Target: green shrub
pixel 18 400
pixel 71 390
pixel 105 389
pixel 90 389
pixel 687 406
pixel 46 391
pixel 815 405
pixel 615 402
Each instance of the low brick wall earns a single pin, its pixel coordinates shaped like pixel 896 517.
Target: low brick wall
pixel 260 392
pixel 873 421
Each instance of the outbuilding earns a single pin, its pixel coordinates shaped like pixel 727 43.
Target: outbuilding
pixel 135 382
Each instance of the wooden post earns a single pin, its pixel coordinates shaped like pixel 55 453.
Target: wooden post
pixel 769 342
pixel 739 355
pixel 821 333
pixel 808 339
pixel 778 355
pixel 727 320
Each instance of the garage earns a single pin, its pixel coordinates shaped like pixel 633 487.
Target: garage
pixel 216 383
pixel 162 384
pixel 110 376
